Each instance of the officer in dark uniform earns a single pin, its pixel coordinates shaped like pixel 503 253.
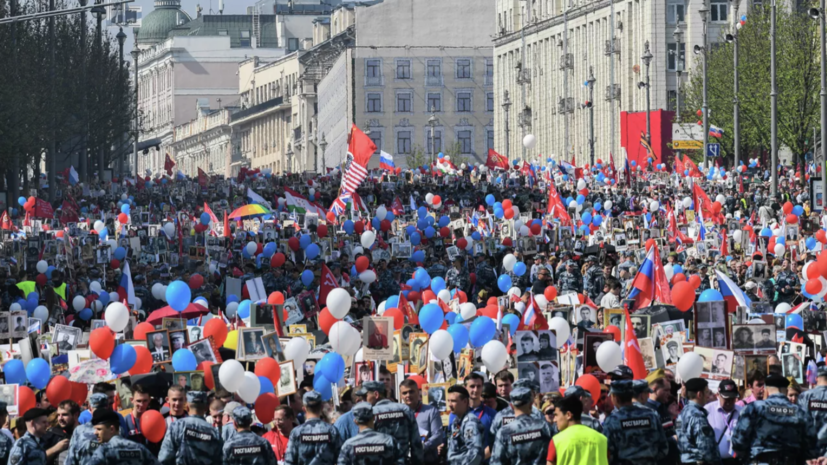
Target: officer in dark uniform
pixel 570 280
pixel 315 441
pixel 524 440
pixel 458 277
pixel 786 283
pixel 28 450
pixel 486 278
pixel 191 440
pixel 114 449
pixel 369 447
pixel 396 420
pixel 634 434
pixel 246 447
pixel 506 415
pixel 84 442
pixel 814 402
pixel 774 430
pixel 465 434
pixel 437 269
pixel 696 439
pixel 594 278
pixel 6 442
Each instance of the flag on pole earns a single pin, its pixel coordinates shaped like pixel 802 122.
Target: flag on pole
pixel 632 355
pixel 386 161
pixel 327 284
pixel 126 291
pixel 168 164
pixel 360 148
pixel 715 131
pixel 495 160
pixel 255 198
pixel 733 295
pixel 208 210
pixel 73 176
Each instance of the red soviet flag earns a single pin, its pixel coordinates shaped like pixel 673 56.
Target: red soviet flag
pixel 495 160
pixel 168 165
pixel 328 283
pixel 631 353
pixel 202 178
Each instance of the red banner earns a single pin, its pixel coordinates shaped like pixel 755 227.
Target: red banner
pixel 328 283
pixel 495 160
pixel 43 209
pixel 202 178
pixel 68 212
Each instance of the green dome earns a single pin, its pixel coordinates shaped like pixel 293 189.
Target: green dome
pixel 156 26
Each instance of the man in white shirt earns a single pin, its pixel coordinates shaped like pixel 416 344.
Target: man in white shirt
pixel 612 297
pixel 723 415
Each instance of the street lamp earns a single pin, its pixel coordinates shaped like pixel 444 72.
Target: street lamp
pixel 818 14
pixel 678 35
pixel 733 39
pixel 590 105
pixel 289 158
pixel 647 60
pixel 121 39
pixel 323 146
pixel 99 12
pixel 705 50
pixel 506 107
pixel 432 122
pixel 135 53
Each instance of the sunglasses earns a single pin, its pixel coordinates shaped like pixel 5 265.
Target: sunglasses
pixel 549 412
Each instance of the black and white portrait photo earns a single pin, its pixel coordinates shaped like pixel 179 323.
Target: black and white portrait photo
pixel 792 367
pixel 722 363
pixel 585 313
pixel 528 346
pixel 178 340
pixel 250 344
pixel 437 396
pixel 19 325
pixel 287 380
pixel 672 350
pixel 195 333
pixel 549 377
pixel 67 338
pixel 272 346
pixel 203 351
pixel 159 345
pixel 640 323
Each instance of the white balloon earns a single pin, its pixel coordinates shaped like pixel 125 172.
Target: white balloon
pixel 524 230
pixel 97 305
pixel 114 297
pixel 169 230
pixel 338 303
pixel 312 192
pixel 467 310
pixel 95 287
pixel 669 271
pixel 441 345
pixel 231 373
pixel 756 321
pixel 573 204
pixel 381 308
pixel 581 184
pixel 138 303
pixel 541 300
pixel 99 226
pixel 15 307
pixel 367 239
pixel 494 356
pixel 520 307
pixel 720 199
pixel 529 141
pixel 231 310
pixel 342 340
pixel 687 202
pixel 367 276
pixel 515 291
pixel 42 266
pixel 358 250
pixel 116 316
pixel 78 303
pixel 429 197
pixel 252 247
pixel 779 250
pixel 509 261
pixel 518 223
pixel 250 389
pixel 359 357
pixel 157 288
pixel 444 295
pixel 777 232
pixel 607 205
pixel 516 210
pixel 736 235
pixel 41 313
pixel 381 212
pixel 653 206
pixel 561 328
pixel 297 350
pixel 608 356
pixel 689 366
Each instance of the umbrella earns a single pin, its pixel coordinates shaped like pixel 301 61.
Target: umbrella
pixel 252 209
pixel 91 372
pixel 192 311
pixel 157 383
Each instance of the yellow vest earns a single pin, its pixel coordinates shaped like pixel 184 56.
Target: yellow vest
pixel 27 287
pixel 61 291
pixel 580 445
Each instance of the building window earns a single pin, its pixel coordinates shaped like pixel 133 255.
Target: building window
pixel 374 103
pixel 489 101
pixel 403 69
pixel 489 72
pixel 245 38
pixel 464 140
pixel 404 102
pixel 675 13
pixel 376 137
pixel 489 139
pixel 463 102
pixel 463 68
pixel 373 72
pixel 672 57
pixel 434 102
pixel 292 44
pixel 434 72
pixel 719 10
pixel 437 141
pixel 403 142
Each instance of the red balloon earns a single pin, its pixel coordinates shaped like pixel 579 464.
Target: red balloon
pixel 550 293
pixel 123 218
pixel 821 236
pixel 153 426
pixel 813 286
pixel 491 301
pixel 615 331
pixel 462 243
pixel 326 320
pixel 787 207
pixel 507 242
pixel 26 400
pixel 591 384
pixel 141 330
pixel 59 234
pixel 359 227
pixel 196 281
pixel 683 295
pixel 716 207
pixel 293 242
pixel 362 263
pixel 143 361
pixel 259 248
pixel 509 213
pixel 428 295
pixel 678 278
pixel 277 260
pixel 413 296
pixel 41 281
pixel 695 281
pixel 217 329
pixel 102 342
pixel 321 230
pixel 331 217
pixel 444 231
pixel 385 225
pixel 398 317
pixel 270 369
pixel 490 311
pixel 437 200
pixel 507 204
pixel 80 391
pixel 463 298
pixel 792 219
pixel 208 378
pixel 114 263
pixel 276 298
pixel 266 406
pixel 418 380
pixel 59 389
pixel 536 229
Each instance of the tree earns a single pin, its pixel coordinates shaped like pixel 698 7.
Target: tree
pixel 797 77
pixel 417 157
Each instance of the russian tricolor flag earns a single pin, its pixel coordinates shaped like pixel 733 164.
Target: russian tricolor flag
pixel 73 176
pixel 733 295
pixel 386 161
pixel 650 283
pixel 126 290
pixel 715 131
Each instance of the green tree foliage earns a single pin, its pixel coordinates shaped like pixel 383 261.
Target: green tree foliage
pixel 797 77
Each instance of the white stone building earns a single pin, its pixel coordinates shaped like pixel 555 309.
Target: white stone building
pixel 206 142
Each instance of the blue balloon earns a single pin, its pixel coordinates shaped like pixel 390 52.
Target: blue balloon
pixel 418 256
pixel 104 297
pixel 305 240
pixel 15 371
pixel 580 199
pixel 312 251
pixel 586 217
pixel 414 285
pixel 429 232
pixel 431 317
pixel 498 205
pixel 244 309
pixel 205 218
pixel 766 232
pixel 437 284
pixel 422 212
pixel 460 335
pixel 232 298
pixel 392 302
pixel 476 235
pixel 499 213
pixel 798 210
pixel 21 201
pixel 269 249
pixel 120 253
pixel 416 238
pixel 266 386
pixel 333 366
pixel 307 277
pixel 178 295
pixel 504 282
pixel 597 220
pixel 348 226
pixel 38 372
pixel 598 206
pixel 489 199
pixel 519 269
pixel 677 269
pixel 409 230
pixel 323 387
pixel 85 314
pixel 451 318
pixel 482 331
pixel 422 277
pixel 781 240
pixel 444 220
pixel 512 321
pixel 124 357
pixel 390 216
pixel 565 177
pixel 430 220
pixel 634 163
pixel 794 320
pixel 376 223
pixel 49 272
pixel 811 243
pixel 125 208
pixel 710 295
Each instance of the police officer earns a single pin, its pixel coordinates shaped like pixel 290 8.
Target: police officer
pixel 27 450
pixel 457 277
pixel 84 442
pixel 594 278
pixel 774 430
pixel 634 434
pixel 114 448
pixel 191 440
pixel 585 398
pixel 6 442
pixel 228 429
pixel 465 434
pixel 246 447
pixel 369 447
pixel 396 420
pixel 786 283
pixel 315 441
pixel 486 278
pixel 640 391
pixel 524 440
pixel 570 280
pixel 507 415
pixel 696 439
pixel 437 270
pixel 814 402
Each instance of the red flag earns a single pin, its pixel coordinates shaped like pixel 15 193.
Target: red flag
pixel 43 209
pixel 202 178
pixel 69 212
pixel 360 146
pixel 5 222
pixel 208 211
pixel 692 167
pixel 702 202
pixel 227 225
pixel 397 207
pixel 556 207
pixel 740 184
pixel 724 245
pixel 495 160
pixel 663 293
pixel 168 165
pixel 328 283
pixel 633 358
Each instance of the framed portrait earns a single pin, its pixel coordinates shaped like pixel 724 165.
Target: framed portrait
pixel 549 376
pixel 419 351
pixel 195 333
pixel 9 395
pixel 761 307
pixel 466 364
pixel 66 338
pixel 792 367
pixel 362 372
pixel 722 362
pixel 647 349
pixel 585 313
pixel 294 313
pixel 641 324
pixel 19 324
pixel 159 345
pixel 672 349
pixel 443 371
pixel 561 312
pixel 178 340
pixel 250 347
pixel 436 395
pixel 173 324
pixel 95 324
pixel 591 341
pixel 307 303
pixel 263 315
pixel 533 346
pixel 287 381
pixel 711 325
pixel 216 381
pixel 755 362
pixel 753 338
pixel 613 317
pixel 377 335
pixel 297 329
pixel 670 328
pixel 205 351
pixel 707 355
pixel 272 346
pixel 190 380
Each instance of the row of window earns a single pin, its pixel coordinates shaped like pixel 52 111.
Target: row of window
pixel 463 69
pixel 405 138
pixel 718 11
pixel 463 102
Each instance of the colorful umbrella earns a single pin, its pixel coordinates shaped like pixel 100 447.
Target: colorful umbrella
pixel 192 311
pixel 92 372
pixel 252 209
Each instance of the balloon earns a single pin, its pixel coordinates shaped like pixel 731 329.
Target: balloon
pixel 232 340
pixel 608 356
pixel 779 250
pixel 307 277
pixel 124 357
pixel 710 295
pixel 590 383
pixel 269 369
pixel 25 400
pixel 783 308
pixel 277 298
pixel 793 320
pixel 42 266
pixel 266 406
pixel 467 310
pixel 217 329
pixel 459 334
pixel 367 239
pixel 344 338
pixel 431 317
pixel 494 356
pixel 41 313
pixel 59 389
pixel 437 284
pixel 338 303
pixel 102 342
pixel 504 282
pixel 153 426
pixel 326 320
pixel 683 295
pixel 441 345
pixel 540 299
pixel 368 276
pixel 297 350
pixel 184 360
pixel 690 366
pixel 482 330
pixel 231 310
pixel 614 330
pixel 143 361
pixel 331 366
pixel 250 388
pixel 513 321
pixel 561 328
pixel 169 230
pixel 244 309
pixel 231 374
pixel 178 295
pixel 519 268
pixel 116 316
pixel 38 372
pixel 509 261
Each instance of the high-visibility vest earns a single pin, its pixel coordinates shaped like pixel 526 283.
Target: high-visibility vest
pixel 27 287
pixel 580 445
pixel 61 291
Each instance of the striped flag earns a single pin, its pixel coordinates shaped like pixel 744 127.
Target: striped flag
pixel 360 149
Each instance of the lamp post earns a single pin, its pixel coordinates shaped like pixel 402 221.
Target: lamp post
pixel 818 13
pixel 773 107
pixel 590 104
pixel 678 35
pixel 121 40
pixel 733 39
pixel 289 158
pixel 135 53
pixel 432 122
pixel 506 107
pixel 99 13
pixel 705 50
pixel 323 146
pixel 647 60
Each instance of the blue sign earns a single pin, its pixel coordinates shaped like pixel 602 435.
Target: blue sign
pixel 713 150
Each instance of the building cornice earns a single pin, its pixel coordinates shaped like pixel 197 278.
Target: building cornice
pixel 539 26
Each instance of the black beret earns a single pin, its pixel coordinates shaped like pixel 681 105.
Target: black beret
pixel 776 381
pixel 696 384
pixel 34 413
pixel 105 416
